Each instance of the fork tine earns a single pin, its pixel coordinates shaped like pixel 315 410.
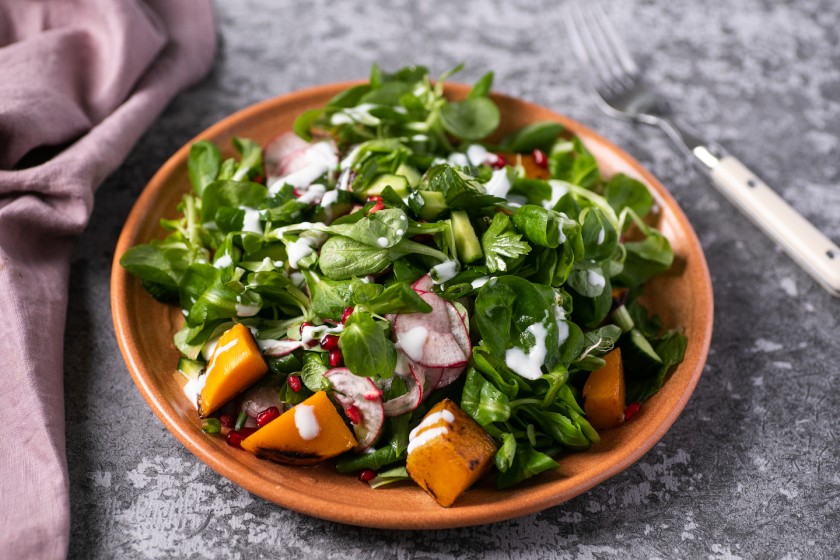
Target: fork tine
pixel 616 69
pixel 619 49
pixel 585 48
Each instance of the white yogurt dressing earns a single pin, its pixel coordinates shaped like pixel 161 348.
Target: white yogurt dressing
pixel 313 194
pixel 223 262
pixel 298 250
pixel 600 236
pixel 459 159
pixel 314 333
pixel 528 365
pixel 193 388
pixel 382 242
pixel 558 189
pixel 329 198
pixel 444 272
pixel 358 114
pixel 595 278
pixel 306 422
pixel 424 433
pixel 413 341
pixel 247 310
pixel 251 222
pixel 499 184
pixel 320 158
pixel 479 282
pixel 478 154
pixel 218 351
pixel 562 325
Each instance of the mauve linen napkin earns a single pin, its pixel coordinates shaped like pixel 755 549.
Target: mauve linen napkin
pixel 80 80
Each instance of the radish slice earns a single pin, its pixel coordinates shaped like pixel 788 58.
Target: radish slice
pixel 257 400
pixel 437 320
pixel 429 376
pixel 443 351
pixel 462 335
pixel 351 390
pixel 423 284
pixel 285 154
pixel 409 401
pixel 279 348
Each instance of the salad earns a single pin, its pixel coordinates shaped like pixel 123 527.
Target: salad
pixel 392 286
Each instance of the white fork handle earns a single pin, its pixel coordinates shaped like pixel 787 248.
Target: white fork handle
pixel 805 244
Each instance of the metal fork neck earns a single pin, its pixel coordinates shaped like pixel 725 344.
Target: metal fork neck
pixel 693 146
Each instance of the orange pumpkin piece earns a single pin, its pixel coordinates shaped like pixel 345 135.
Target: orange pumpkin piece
pixel 532 170
pixel 603 393
pixel 306 434
pixel 235 365
pixel 447 452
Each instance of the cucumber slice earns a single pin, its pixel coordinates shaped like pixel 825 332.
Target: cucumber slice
pixel 396 182
pixel 190 369
pixel 428 205
pixel 466 241
pixel 639 356
pixel 411 174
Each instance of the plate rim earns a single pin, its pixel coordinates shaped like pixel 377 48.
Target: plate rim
pixel 443 518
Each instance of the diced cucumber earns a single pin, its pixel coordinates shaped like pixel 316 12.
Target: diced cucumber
pixel 411 174
pixel 396 182
pixel 466 241
pixel 639 356
pixel 190 369
pixel 428 205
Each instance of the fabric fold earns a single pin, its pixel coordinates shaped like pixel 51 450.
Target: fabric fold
pixel 83 78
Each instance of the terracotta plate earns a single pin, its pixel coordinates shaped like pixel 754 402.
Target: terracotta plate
pixel 144 330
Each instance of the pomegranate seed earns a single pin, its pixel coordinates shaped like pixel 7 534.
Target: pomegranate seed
pixel 376 208
pixel 540 158
pixel 234 439
pixel 226 420
pixel 297 193
pixel 631 410
pixel 294 384
pixel 500 162
pixel 346 315
pixel 353 414
pixel 310 343
pixel 336 358
pixel 373 395
pixel 374 198
pixel 367 475
pixel 268 414
pixel 329 342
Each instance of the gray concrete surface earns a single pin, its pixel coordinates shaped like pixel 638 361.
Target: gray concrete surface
pixel 752 467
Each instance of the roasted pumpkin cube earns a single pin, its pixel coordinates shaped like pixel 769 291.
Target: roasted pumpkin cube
pixel 603 393
pixel 306 434
pixel 235 365
pixel 447 452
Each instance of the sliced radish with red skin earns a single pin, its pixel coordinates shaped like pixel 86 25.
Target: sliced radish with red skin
pixel 349 390
pixel 423 285
pixel 449 376
pixel 443 351
pixel 285 154
pixel 256 400
pixel 429 377
pixel 279 348
pixel 409 401
pixel 437 320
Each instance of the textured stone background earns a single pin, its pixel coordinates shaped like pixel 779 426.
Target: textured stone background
pixel 752 467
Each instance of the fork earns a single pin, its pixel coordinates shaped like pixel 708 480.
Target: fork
pixel 621 91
